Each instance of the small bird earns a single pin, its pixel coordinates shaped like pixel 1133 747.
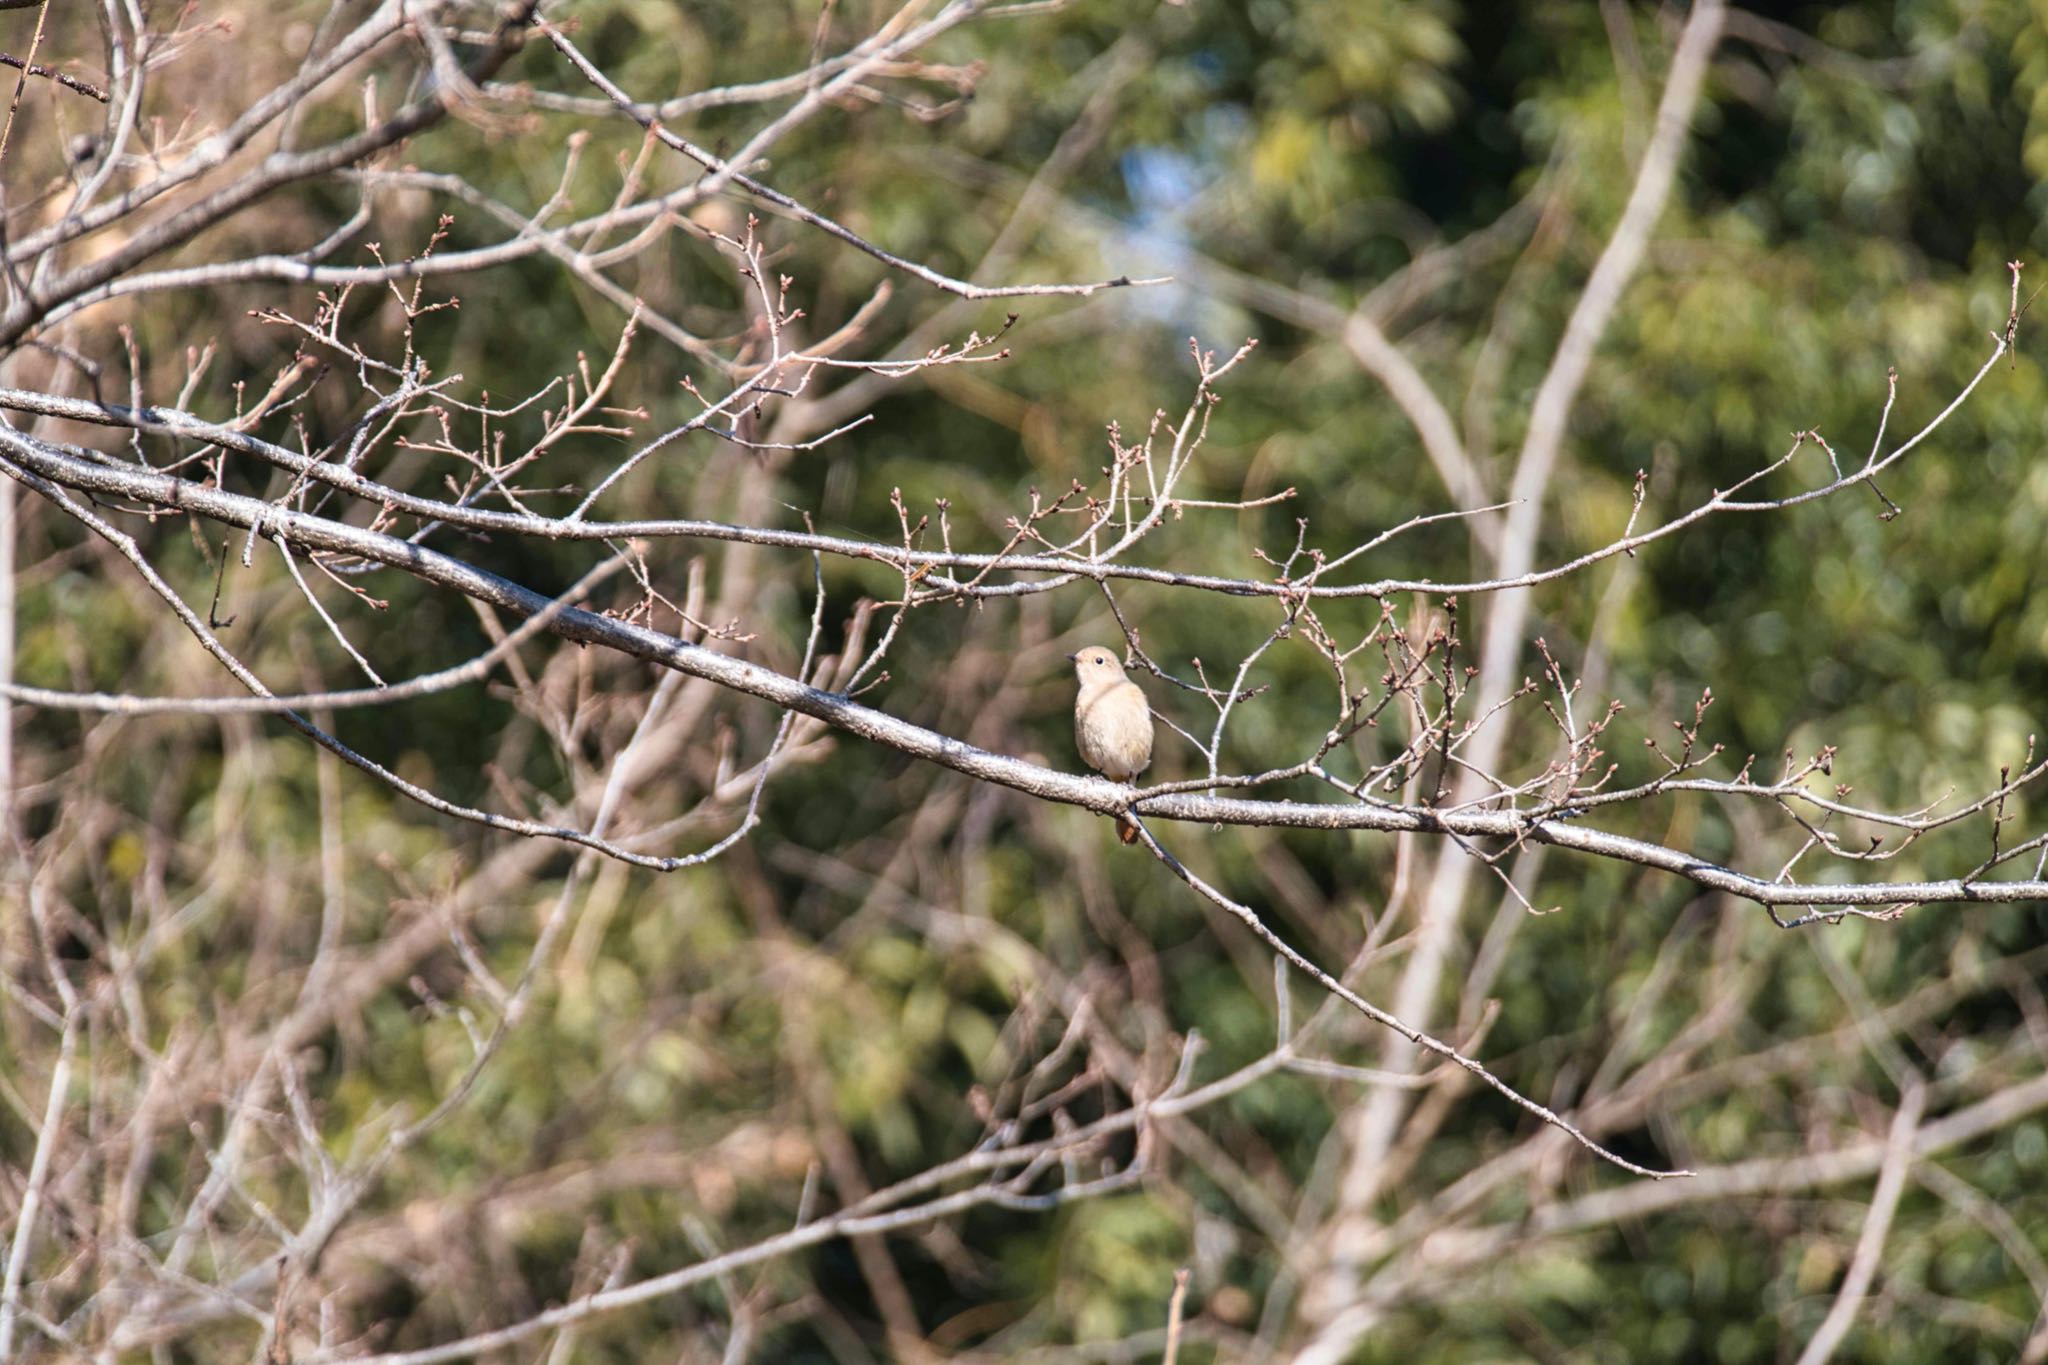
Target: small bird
pixel 1112 722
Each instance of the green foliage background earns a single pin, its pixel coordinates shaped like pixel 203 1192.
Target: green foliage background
pixel 1860 175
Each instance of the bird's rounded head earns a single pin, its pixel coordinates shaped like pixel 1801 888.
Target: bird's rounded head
pixel 1095 666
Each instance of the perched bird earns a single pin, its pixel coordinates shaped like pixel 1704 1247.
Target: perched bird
pixel 1112 723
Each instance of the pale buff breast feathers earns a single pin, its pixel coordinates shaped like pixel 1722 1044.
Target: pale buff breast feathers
pixel 1112 721
pixel 1113 726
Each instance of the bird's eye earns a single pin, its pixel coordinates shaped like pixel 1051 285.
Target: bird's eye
pixel 1100 660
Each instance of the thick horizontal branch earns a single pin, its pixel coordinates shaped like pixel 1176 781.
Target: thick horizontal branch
pixel 175 423
pixel 1090 793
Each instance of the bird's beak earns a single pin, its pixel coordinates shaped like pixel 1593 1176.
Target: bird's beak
pixel 1072 657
